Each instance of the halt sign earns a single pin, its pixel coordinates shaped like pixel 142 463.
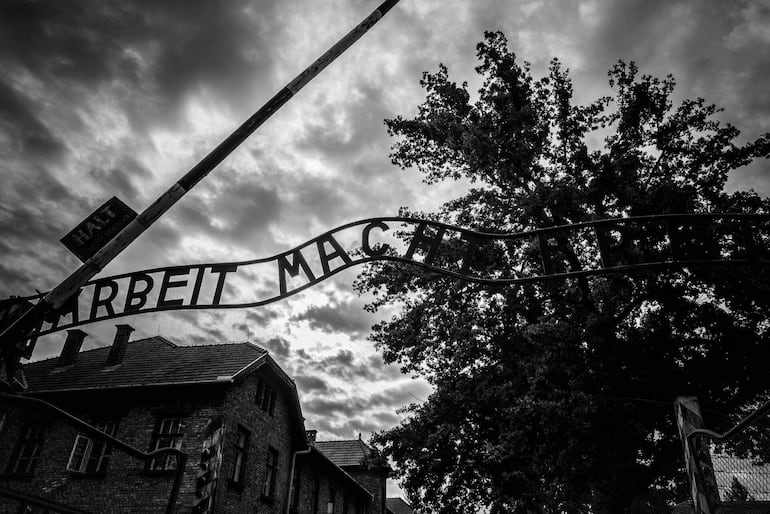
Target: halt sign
pixel 98 228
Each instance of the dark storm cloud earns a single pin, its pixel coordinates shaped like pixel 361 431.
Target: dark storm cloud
pixel 261 316
pixel 159 240
pixel 348 317
pixel 362 124
pixel 125 176
pixel 163 49
pixel 320 200
pixel 277 346
pixel 384 403
pixel 309 384
pixel 239 212
pixel 22 128
pixel 328 407
pixel 344 365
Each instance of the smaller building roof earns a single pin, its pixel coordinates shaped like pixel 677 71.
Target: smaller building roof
pixel 348 452
pixel 148 362
pixel 397 506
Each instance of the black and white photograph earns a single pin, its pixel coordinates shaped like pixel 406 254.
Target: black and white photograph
pixel 385 256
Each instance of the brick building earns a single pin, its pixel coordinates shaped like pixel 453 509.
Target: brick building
pixel 230 407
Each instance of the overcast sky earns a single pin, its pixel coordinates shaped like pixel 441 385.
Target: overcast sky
pixel 101 98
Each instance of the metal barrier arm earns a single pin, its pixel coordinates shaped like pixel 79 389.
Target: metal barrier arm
pixel 95 432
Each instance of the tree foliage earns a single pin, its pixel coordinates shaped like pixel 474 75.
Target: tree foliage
pixel 556 396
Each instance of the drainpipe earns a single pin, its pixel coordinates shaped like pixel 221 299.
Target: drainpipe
pixel 291 475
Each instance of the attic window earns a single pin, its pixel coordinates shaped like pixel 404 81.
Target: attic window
pixel 265 397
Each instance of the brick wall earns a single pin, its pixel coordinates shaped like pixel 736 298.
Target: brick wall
pixel 315 472
pixel 126 486
pixel 265 431
pixel 373 480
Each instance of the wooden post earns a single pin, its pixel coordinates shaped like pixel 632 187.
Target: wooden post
pixel 697 456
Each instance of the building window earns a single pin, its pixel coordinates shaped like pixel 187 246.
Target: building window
pixel 271 472
pixel 332 500
pixel 168 435
pixel 91 454
pixel 265 397
pixel 241 447
pixel 28 449
pixel 345 505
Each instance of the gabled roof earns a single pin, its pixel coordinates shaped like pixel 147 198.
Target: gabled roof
pixel 153 361
pixel 397 506
pixel 347 453
pixel 314 452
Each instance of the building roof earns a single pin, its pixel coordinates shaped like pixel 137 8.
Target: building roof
pixel 346 453
pixel 397 506
pixel 152 361
pixel 316 453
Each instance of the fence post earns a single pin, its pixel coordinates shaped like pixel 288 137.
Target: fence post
pixel 697 456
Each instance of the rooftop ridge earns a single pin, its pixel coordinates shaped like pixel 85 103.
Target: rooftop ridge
pixel 160 339
pixel 227 343
pixel 149 361
pixel 356 440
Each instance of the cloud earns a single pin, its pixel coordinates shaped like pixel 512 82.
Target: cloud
pixel 277 346
pixel 308 384
pixel 345 415
pixel 338 316
pixel 22 130
pixel 261 316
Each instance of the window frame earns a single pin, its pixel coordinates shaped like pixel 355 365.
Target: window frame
pixel 95 448
pixel 271 473
pixel 28 448
pixel 174 440
pixel 238 474
pixel 265 398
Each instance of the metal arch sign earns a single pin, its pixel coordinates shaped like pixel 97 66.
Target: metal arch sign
pixel 606 246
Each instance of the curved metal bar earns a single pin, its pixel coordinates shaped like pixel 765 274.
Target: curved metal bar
pixel 748 420
pixel 506 236
pixel 95 432
pixel 482 281
pixel 662 224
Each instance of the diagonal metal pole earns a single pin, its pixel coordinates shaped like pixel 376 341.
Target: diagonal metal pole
pixel 12 339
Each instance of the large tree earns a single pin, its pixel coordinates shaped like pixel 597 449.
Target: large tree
pixel 557 396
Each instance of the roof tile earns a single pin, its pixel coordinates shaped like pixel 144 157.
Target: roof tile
pixel 346 453
pixel 148 362
pixel 398 506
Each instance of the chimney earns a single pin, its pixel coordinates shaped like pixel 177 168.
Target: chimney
pixel 310 434
pixel 69 354
pixel 118 349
